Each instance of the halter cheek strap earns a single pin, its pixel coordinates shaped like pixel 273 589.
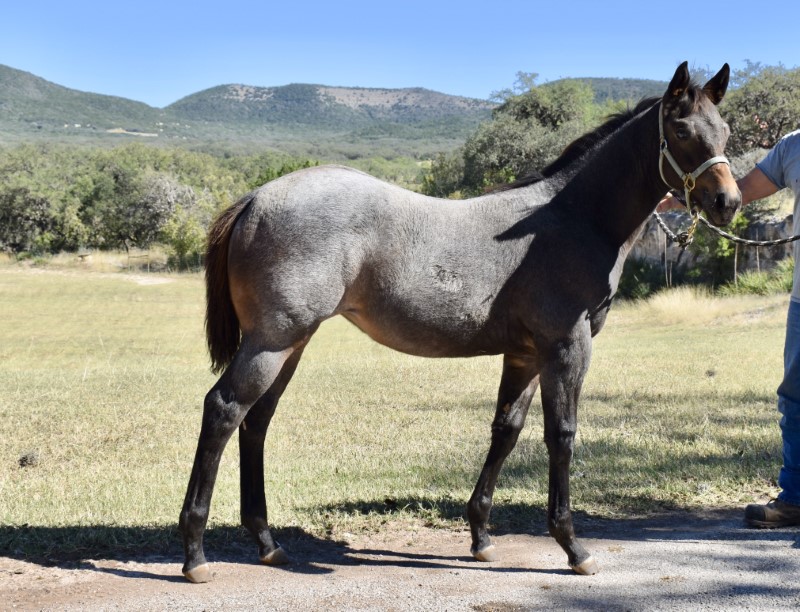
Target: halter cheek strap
pixel 689 178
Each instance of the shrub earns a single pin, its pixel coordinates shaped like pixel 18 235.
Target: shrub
pixel 778 280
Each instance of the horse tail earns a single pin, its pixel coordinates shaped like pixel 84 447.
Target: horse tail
pixel 222 325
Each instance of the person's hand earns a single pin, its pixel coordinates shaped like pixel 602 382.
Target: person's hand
pixel 668 202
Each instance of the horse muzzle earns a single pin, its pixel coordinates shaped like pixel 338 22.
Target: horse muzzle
pixel 720 205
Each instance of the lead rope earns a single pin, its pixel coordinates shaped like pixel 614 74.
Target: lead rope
pixel 684 239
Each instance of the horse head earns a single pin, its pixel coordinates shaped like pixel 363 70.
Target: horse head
pixel 693 137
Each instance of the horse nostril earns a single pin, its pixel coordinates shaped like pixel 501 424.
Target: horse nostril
pixel 725 201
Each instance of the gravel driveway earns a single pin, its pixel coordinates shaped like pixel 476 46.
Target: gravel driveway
pixel 677 561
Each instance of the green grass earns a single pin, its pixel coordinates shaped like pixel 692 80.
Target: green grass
pixel 103 379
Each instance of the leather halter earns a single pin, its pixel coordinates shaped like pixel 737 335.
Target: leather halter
pixel 689 178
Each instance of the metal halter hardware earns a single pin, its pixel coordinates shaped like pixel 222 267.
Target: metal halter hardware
pixel 689 179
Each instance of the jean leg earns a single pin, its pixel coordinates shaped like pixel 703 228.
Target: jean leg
pixel 789 407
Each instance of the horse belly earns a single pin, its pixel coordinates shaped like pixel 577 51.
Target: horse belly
pixel 425 331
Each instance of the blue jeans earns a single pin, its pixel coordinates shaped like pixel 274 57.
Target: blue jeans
pixel 789 407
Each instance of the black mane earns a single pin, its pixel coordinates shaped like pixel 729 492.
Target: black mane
pixel 580 146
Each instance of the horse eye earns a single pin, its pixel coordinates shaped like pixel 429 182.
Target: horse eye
pixel 682 134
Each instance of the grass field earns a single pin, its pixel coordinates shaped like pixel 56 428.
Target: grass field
pixel 103 376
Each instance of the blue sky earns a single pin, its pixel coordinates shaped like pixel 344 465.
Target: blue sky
pixel 158 52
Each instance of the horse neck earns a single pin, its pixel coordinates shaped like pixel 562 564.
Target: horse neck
pixel 620 185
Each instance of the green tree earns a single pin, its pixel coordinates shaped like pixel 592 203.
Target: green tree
pixel 271 172
pixel 764 106
pixel 552 105
pixel 30 188
pixel 508 148
pixel 528 130
pixel 445 176
pixel 185 234
pixel 25 219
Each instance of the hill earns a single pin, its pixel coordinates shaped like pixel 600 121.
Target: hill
pixel 299 118
pixel 323 106
pixel 30 103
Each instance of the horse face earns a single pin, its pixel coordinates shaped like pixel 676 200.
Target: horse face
pixel 695 133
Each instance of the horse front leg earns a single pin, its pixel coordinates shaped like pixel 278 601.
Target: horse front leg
pixel 561 379
pixel 517 386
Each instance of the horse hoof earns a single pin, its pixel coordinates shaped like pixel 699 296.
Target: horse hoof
pixel 276 557
pixel 199 574
pixel 487 554
pixel 588 567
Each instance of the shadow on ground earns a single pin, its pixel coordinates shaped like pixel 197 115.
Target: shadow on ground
pixel 79 546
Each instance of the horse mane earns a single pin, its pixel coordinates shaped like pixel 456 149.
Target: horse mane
pixel 580 146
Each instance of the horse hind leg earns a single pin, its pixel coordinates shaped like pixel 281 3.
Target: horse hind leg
pixel 252 433
pixel 250 375
pixel 517 387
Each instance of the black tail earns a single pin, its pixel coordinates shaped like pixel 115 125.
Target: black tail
pixel 222 325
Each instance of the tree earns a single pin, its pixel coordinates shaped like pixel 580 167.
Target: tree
pixel 29 196
pixel 185 234
pixel 25 219
pixel 508 148
pixel 270 173
pixel 551 106
pixel 445 176
pixel 528 130
pixel 764 107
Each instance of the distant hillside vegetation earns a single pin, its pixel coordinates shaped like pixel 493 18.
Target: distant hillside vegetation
pixel 324 106
pixel 32 102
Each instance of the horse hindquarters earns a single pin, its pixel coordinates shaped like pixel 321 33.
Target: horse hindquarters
pixel 246 395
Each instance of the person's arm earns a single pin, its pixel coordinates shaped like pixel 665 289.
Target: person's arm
pixel 755 185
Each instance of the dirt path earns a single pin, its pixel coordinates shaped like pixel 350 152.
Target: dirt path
pixel 674 562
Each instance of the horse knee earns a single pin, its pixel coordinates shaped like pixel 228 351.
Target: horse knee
pixel 560 444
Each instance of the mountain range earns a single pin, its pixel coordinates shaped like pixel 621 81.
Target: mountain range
pixel 296 118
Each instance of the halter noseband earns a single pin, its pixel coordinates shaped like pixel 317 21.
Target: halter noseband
pixel 689 178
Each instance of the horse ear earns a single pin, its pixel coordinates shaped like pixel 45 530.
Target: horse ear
pixel 679 82
pixel 716 87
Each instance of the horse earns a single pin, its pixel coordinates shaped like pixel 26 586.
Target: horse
pixel 528 272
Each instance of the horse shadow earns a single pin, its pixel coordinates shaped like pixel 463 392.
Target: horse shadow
pixel 90 548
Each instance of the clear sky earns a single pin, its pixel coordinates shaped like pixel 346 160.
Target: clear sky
pixel 159 52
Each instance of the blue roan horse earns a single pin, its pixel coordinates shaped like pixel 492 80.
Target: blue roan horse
pixel 528 272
